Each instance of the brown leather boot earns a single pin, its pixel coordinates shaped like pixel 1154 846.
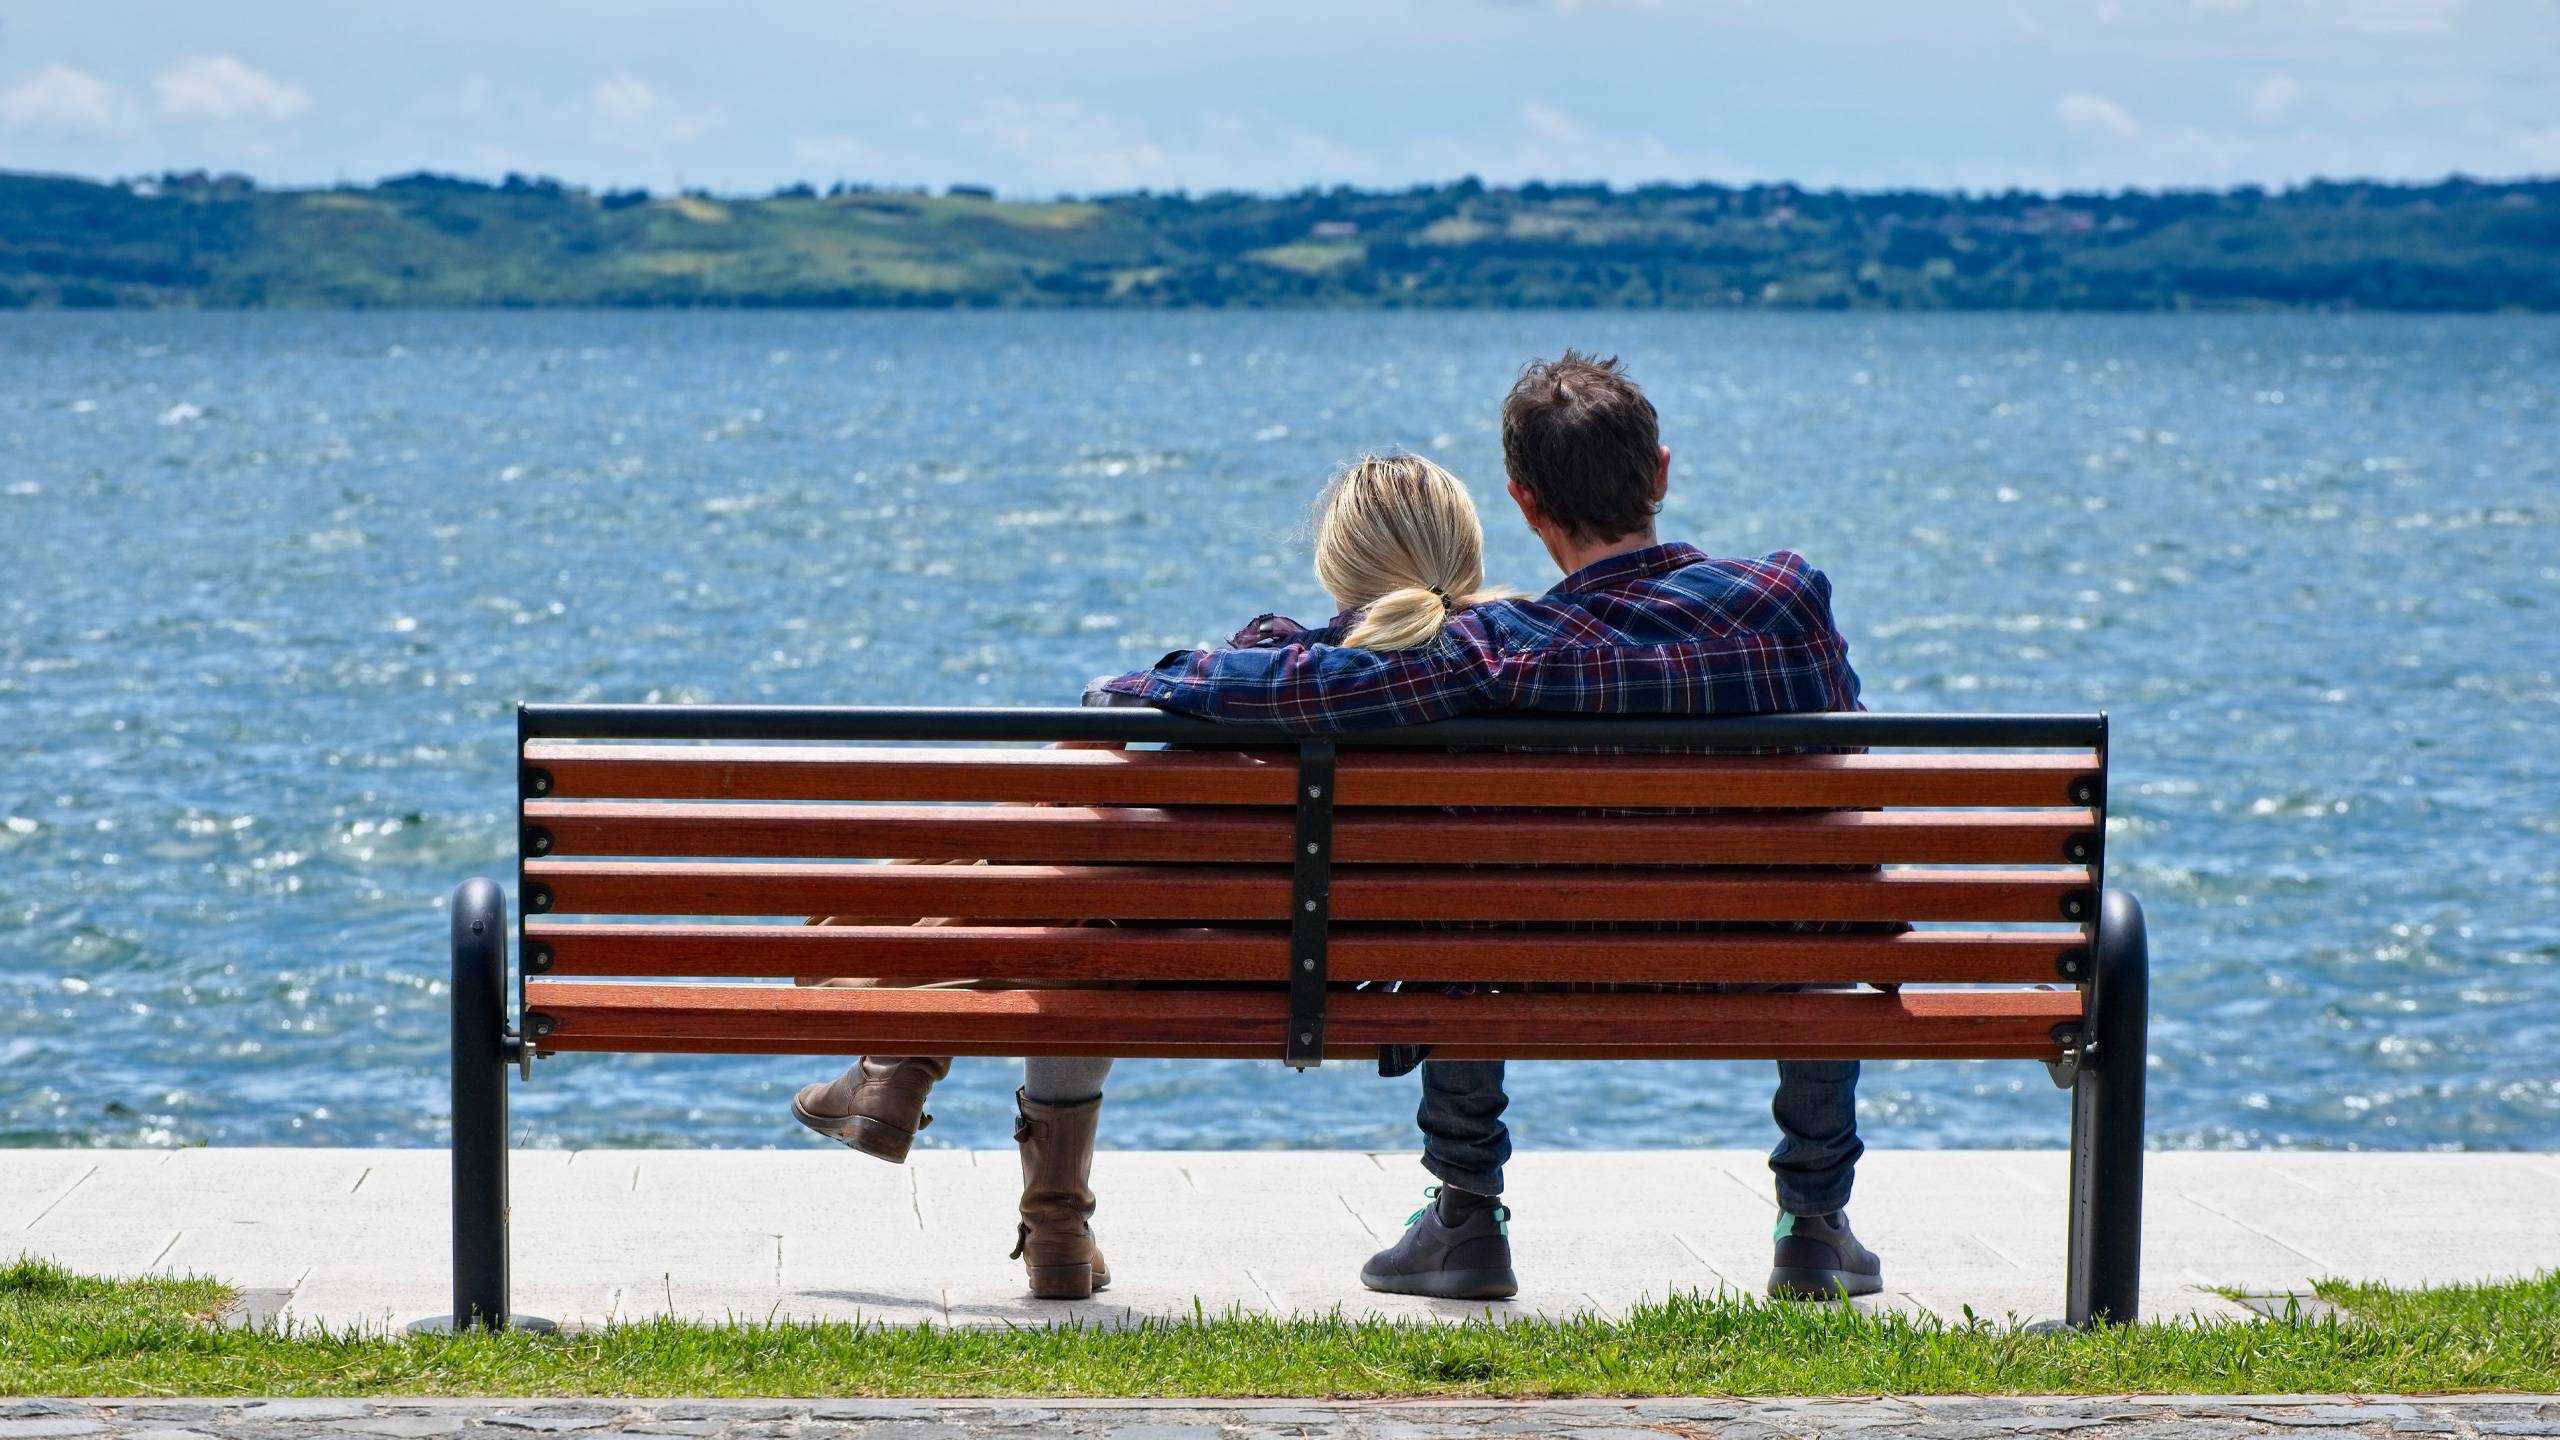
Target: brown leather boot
pixel 1055 1239
pixel 877 1106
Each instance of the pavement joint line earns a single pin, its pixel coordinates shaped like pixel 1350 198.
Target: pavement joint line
pixel 915 1194
pixel 2217 1210
pixel 1754 1191
pixel 361 1176
pixel 1265 1291
pixel 1355 1214
pixel 76 1183
pixel 2028 1183
pixel 1977 1238
pixel 174 1237
pixel 1700 1256
pixel 2288 1173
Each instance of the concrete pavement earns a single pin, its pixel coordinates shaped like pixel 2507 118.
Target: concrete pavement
pixel 353 1237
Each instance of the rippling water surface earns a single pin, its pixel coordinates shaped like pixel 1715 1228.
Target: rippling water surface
pixel 276 581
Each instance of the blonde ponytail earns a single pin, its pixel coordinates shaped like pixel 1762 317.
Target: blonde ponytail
pixel 1397 539
pixel 1404 619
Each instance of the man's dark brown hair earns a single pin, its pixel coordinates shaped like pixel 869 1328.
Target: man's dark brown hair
pixel 1580 437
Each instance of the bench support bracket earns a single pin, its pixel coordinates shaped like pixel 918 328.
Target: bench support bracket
pixel 2107 1122
pixel 1310 905
pixel 2076 1052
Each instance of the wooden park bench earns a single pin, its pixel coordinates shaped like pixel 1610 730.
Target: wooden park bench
pixel 1255 876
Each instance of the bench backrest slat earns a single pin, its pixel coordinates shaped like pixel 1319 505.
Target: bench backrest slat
pixel 1261 892
pixel 1268 777
pixel 1242 834
pixel 1231 953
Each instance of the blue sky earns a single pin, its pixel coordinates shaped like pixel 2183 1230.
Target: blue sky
pixel 1044 98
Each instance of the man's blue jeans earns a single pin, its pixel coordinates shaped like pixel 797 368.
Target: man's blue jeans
pixel 1464 1142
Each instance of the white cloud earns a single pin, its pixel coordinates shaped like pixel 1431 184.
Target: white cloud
pixel 2273 99
pixel 634 114
pixel 1066 145
pixel 1546 122
pixel 1550 144
pixel 838 157
pixel 219 87
pixel 2398 17
pixel 2095 115
pixel 625 101
pixel 58 100
pixel 1076 146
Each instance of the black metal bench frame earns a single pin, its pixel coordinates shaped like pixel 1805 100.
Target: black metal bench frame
pixel 2103 1057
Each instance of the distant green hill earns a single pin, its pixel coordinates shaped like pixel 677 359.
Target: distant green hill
pixel 427 240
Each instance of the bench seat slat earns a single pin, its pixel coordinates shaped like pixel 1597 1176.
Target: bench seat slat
pixel 766 1019
pixel 1048 953
pixel 1051 835
pixel 1185 892
pixel 1334 1051
pixel 1160 777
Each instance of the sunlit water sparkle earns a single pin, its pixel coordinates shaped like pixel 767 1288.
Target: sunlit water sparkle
pixel 276 581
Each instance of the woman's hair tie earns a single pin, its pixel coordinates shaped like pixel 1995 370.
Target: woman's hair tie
pixel 1447 605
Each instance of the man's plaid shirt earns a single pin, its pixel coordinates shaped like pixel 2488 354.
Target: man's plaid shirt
pixel 1667 630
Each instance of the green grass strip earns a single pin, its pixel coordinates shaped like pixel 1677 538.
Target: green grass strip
pixel 66 1334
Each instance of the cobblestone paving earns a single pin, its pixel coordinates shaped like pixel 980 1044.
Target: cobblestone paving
pixel 2106 1418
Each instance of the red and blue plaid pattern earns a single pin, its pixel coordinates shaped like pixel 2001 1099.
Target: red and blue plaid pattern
pixel 1667 630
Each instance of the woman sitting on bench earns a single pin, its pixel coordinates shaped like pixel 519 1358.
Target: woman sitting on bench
pixel 1400 548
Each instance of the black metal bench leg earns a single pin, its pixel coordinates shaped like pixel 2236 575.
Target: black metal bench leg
pixel 480 1062
pixel 2106 1124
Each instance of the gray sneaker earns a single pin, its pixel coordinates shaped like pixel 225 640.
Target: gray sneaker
pixel 1458 1247
pixel 1818 1259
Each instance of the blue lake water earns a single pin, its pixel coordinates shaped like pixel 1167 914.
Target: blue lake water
pixel 274 583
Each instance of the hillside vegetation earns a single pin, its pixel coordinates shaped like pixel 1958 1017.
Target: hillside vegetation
pixel 429 240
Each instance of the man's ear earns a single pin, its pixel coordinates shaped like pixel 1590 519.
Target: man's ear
pixel 1528 504
pixel 1661 476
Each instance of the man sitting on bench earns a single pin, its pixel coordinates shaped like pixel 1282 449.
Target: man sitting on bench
pixel 1636 627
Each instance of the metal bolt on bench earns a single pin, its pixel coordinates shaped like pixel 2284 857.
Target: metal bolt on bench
pixel 1251 876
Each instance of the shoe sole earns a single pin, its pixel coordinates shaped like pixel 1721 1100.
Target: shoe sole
pixel 1790 1283
pixel 1447 1284
pixel 860 1132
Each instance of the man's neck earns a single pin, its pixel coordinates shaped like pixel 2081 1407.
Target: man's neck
pixel 1573 560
